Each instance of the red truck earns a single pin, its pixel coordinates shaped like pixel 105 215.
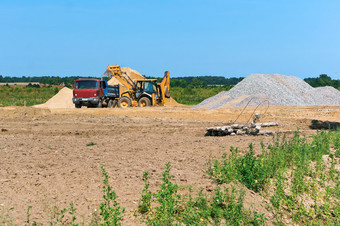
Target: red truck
pixel 94 93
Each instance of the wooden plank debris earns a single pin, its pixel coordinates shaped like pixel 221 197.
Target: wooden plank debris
pixel 237 129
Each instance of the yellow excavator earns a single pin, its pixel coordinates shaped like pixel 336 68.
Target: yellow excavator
pixel 143 92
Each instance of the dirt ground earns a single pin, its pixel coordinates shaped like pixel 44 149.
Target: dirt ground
pixel 45 162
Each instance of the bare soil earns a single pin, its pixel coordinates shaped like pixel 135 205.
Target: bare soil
pixel 45 161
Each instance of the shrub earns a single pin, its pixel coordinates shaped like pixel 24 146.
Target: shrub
pixel 109 209
pixel 295 169
pixel 172 208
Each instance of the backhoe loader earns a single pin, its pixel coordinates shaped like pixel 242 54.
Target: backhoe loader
pixel 142 93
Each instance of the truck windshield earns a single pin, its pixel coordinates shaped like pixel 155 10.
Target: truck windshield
pixel 87 84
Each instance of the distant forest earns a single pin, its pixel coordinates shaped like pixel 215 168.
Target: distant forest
pixel 183 82
pixel 323 80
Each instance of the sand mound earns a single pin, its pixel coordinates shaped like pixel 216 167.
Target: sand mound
pixel 277 89
pixel 134 75
pixel 63 99
pixel 170 102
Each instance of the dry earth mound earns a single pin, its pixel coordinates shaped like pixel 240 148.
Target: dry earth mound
pixel 277 89
pixel 171 102
pixel 63 99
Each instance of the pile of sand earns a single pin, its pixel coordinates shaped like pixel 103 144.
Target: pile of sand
pixel 170 102
pixel 63 99
pixel 276 89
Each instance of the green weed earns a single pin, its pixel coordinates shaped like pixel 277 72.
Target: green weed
pixel 110 210
pixel 174 209
pixel 295 169
pixel 91 144
pixel 65 216
pixel 5 217
pixel 145 201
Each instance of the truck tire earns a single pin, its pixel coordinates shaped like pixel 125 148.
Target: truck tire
pixel 124 102
pixel 167 92
pixel 112 103
pixel 77 105
pixel 144 102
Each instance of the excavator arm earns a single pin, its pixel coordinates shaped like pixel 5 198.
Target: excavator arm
pixel 115 71
pixel 164 86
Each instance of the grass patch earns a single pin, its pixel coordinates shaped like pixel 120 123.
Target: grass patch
pixel 193 96
pixel 167 207
pixel 19 95
pixel 297 177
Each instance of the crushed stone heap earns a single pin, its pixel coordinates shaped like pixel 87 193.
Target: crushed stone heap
pixel 278 89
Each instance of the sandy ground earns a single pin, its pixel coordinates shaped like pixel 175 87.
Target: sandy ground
pixel 45 162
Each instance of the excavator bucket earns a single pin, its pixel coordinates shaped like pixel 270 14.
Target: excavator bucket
pixel 113 70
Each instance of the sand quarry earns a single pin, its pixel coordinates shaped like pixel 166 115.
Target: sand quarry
pixel 45 162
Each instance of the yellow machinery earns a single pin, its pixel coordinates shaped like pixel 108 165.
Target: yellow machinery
pixel 144 92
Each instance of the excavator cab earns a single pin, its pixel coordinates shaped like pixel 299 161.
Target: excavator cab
pixel 145 87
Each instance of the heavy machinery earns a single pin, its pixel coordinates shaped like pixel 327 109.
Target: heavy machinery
pixel 142 93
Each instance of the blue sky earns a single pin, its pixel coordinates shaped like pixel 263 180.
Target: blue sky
pixel 220 37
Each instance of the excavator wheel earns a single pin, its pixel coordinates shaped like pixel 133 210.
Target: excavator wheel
pixel 167 93
pixel 124 102
pixel 144 102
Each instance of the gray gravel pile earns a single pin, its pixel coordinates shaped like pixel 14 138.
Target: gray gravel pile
pixel 277 89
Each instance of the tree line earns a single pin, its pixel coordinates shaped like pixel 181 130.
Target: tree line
pixel 323 80
pixel 183 82
pixel 44 80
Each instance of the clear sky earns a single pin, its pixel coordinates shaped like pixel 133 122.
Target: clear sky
pixel 216 37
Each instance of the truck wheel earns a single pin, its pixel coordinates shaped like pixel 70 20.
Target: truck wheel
pixel 77 105
pixel 112 103
pixel 124 102
pixel 144 102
